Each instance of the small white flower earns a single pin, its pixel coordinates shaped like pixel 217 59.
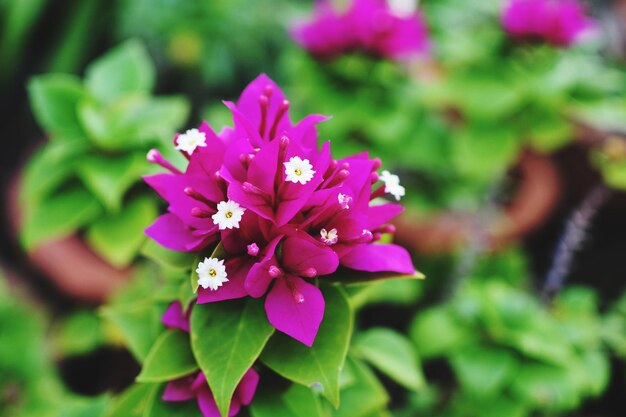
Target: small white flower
pixel 403 8
pixel 211 273
pixel 329 237
pixel 190 140
pixel 298 170
pixel 344 201
pixel 228 215
pixel 392 184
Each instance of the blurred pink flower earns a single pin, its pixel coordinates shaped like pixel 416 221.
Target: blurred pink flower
pixel 558 22
pixel 368 25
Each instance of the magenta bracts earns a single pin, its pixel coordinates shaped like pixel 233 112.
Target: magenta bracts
pixel 284 210
pixel 557 22
pixel 368 25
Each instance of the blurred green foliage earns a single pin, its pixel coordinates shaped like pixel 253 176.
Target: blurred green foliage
pixel 29 383
pixel 509 354
pixel 221 44
pixel 99 131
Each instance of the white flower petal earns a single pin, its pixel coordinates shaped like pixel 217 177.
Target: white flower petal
pixel 298 170
pixel 190 140
pixel 392 184
pixel 229 214
pixel 211 273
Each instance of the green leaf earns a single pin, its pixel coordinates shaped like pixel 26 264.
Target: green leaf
pixel 118 237
pixel 404 292
pixel 496 406
pixel 353 277
pixel 170 358
pixel 596 371
pixel 545 386
pixel 84 323
pixel 110 177
pixel 54 99
pixel 180 261
pixel 132 402
pixel 134 122
pixel 320 364
pixel 152 121
pixel 126 69
pixel 60 215
pixel 297 401
pixel 484 371
pixel 48 168
pixel 227 338
pixel 475 142
pixel 550 133
pixel 363 398
pixel 75 406
pixel 435 332
pixel 140 324
pixel 392 354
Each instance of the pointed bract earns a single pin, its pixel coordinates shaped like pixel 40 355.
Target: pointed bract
pixel 296 308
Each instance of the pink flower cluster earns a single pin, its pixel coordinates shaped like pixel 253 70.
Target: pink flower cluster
pixel 368 25
pixel 558 22
pixel 284 211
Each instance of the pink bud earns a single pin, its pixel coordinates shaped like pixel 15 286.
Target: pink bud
pixel 343 174
pixel 274 271
pixel 298 297
pixel 253 249
pixel 199 212
pixel 388 228
pixel 154 157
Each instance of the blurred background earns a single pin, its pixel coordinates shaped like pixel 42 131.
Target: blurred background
pixel 505 121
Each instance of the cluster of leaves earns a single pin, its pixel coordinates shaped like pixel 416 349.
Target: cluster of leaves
pixel 229 337
pixel 530 91
pixel 99 131
pixel 509 354
pixel 29 384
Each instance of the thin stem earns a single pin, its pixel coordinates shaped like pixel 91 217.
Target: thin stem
pixel 572 240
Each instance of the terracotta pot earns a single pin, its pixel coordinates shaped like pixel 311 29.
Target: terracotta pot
pixel 68 262
pixel 536 196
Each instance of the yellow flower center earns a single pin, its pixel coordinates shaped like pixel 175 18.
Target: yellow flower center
pixel 229 214
pixel 298 171
pixel 212 272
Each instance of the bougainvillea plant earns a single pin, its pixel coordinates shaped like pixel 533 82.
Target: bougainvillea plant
pixel 283 210
pixel 368 25
pixel 275 227
pixel 559 23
